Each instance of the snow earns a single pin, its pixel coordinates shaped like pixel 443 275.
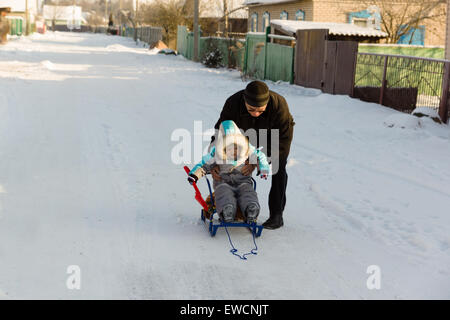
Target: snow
pixel 404 121
pixel 19 5
pixel 254 2
pixel 346 29
pixel 425 111
pixel 86 179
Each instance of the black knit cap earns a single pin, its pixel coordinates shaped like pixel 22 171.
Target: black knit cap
pixel 256 94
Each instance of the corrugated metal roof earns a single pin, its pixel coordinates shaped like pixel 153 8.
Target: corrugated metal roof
pixel 341 29
pixel 262 2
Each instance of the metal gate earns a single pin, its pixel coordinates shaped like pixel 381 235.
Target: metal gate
pixel 324 64
pixel 339 68
pixel 309 57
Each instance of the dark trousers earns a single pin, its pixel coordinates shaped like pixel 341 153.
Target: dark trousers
pixel 277 195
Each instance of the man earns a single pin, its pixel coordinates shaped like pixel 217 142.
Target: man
pixel 257 108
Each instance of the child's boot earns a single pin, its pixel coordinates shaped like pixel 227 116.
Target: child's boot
pixel 252 212
pixel 228 213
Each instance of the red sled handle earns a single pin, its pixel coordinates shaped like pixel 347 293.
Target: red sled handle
pixel 198 195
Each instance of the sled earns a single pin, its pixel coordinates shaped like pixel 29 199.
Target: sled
pixel 209 210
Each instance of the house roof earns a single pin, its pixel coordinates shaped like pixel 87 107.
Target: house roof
pixel 340 29
pixel 264 2
pixel 19 5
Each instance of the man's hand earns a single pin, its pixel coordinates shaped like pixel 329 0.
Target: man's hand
pixel 215 173
pixel 248 168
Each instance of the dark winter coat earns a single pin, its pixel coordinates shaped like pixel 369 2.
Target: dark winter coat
pixel 276 116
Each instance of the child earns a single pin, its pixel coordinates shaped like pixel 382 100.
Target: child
pixel 230 153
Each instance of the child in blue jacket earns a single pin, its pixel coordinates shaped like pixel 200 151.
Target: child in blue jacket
pixel 230 153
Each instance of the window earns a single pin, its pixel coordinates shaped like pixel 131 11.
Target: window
pixel 358 17
pixel 414 36
pixel 300 15
pixel 265 21
pixel 360 22
pixel 284 15
pixel 254 22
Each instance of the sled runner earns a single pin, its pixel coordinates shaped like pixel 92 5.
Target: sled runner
pixel 208 210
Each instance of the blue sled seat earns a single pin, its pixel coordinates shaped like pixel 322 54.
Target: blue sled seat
pixel 255 228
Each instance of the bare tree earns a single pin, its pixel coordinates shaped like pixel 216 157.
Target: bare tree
pixel 168 14
pixel 54 10
pixel 403 17
pixel 95 19
pixel 225 8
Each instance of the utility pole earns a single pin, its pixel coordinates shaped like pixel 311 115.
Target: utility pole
pixel 120 12
pixel 27 19
pixel 447 37
pixel 136 12
pixel 196 35
pixel 225 11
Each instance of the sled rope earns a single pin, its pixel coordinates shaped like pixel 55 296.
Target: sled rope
pixel 199 198
pixel 234 250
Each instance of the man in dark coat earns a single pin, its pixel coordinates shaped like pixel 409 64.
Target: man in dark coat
pixel 257 108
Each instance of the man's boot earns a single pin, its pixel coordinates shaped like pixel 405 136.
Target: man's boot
pixel 274 222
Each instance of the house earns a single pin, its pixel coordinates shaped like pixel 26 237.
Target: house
pixel 261 12
pixel 336 31
pixel 18 7
pixel 70 16
pixel 16 14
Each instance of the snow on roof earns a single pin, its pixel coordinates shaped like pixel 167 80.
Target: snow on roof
pixel 262 2
pixel 341 29
pixel 19 5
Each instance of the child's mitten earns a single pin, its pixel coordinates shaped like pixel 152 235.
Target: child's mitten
pixel 192 178
pixel 263 174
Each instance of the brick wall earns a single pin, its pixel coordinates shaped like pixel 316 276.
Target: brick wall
pixel 275 10
pixel 337 11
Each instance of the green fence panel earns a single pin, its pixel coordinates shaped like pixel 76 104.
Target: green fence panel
pixel 279 62
pixel 207 43
pixel 129 32
pixel 255 51
pixel 238 57
pixel 15 27
pixel 12 27
pixel 190 46
pixel 182 40
pixel 231 52
pixel 254 56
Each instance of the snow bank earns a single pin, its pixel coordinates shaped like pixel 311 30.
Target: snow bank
pixel 47 64
pixel 403 121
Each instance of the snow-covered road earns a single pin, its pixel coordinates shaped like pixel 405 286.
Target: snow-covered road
pixel 86 179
